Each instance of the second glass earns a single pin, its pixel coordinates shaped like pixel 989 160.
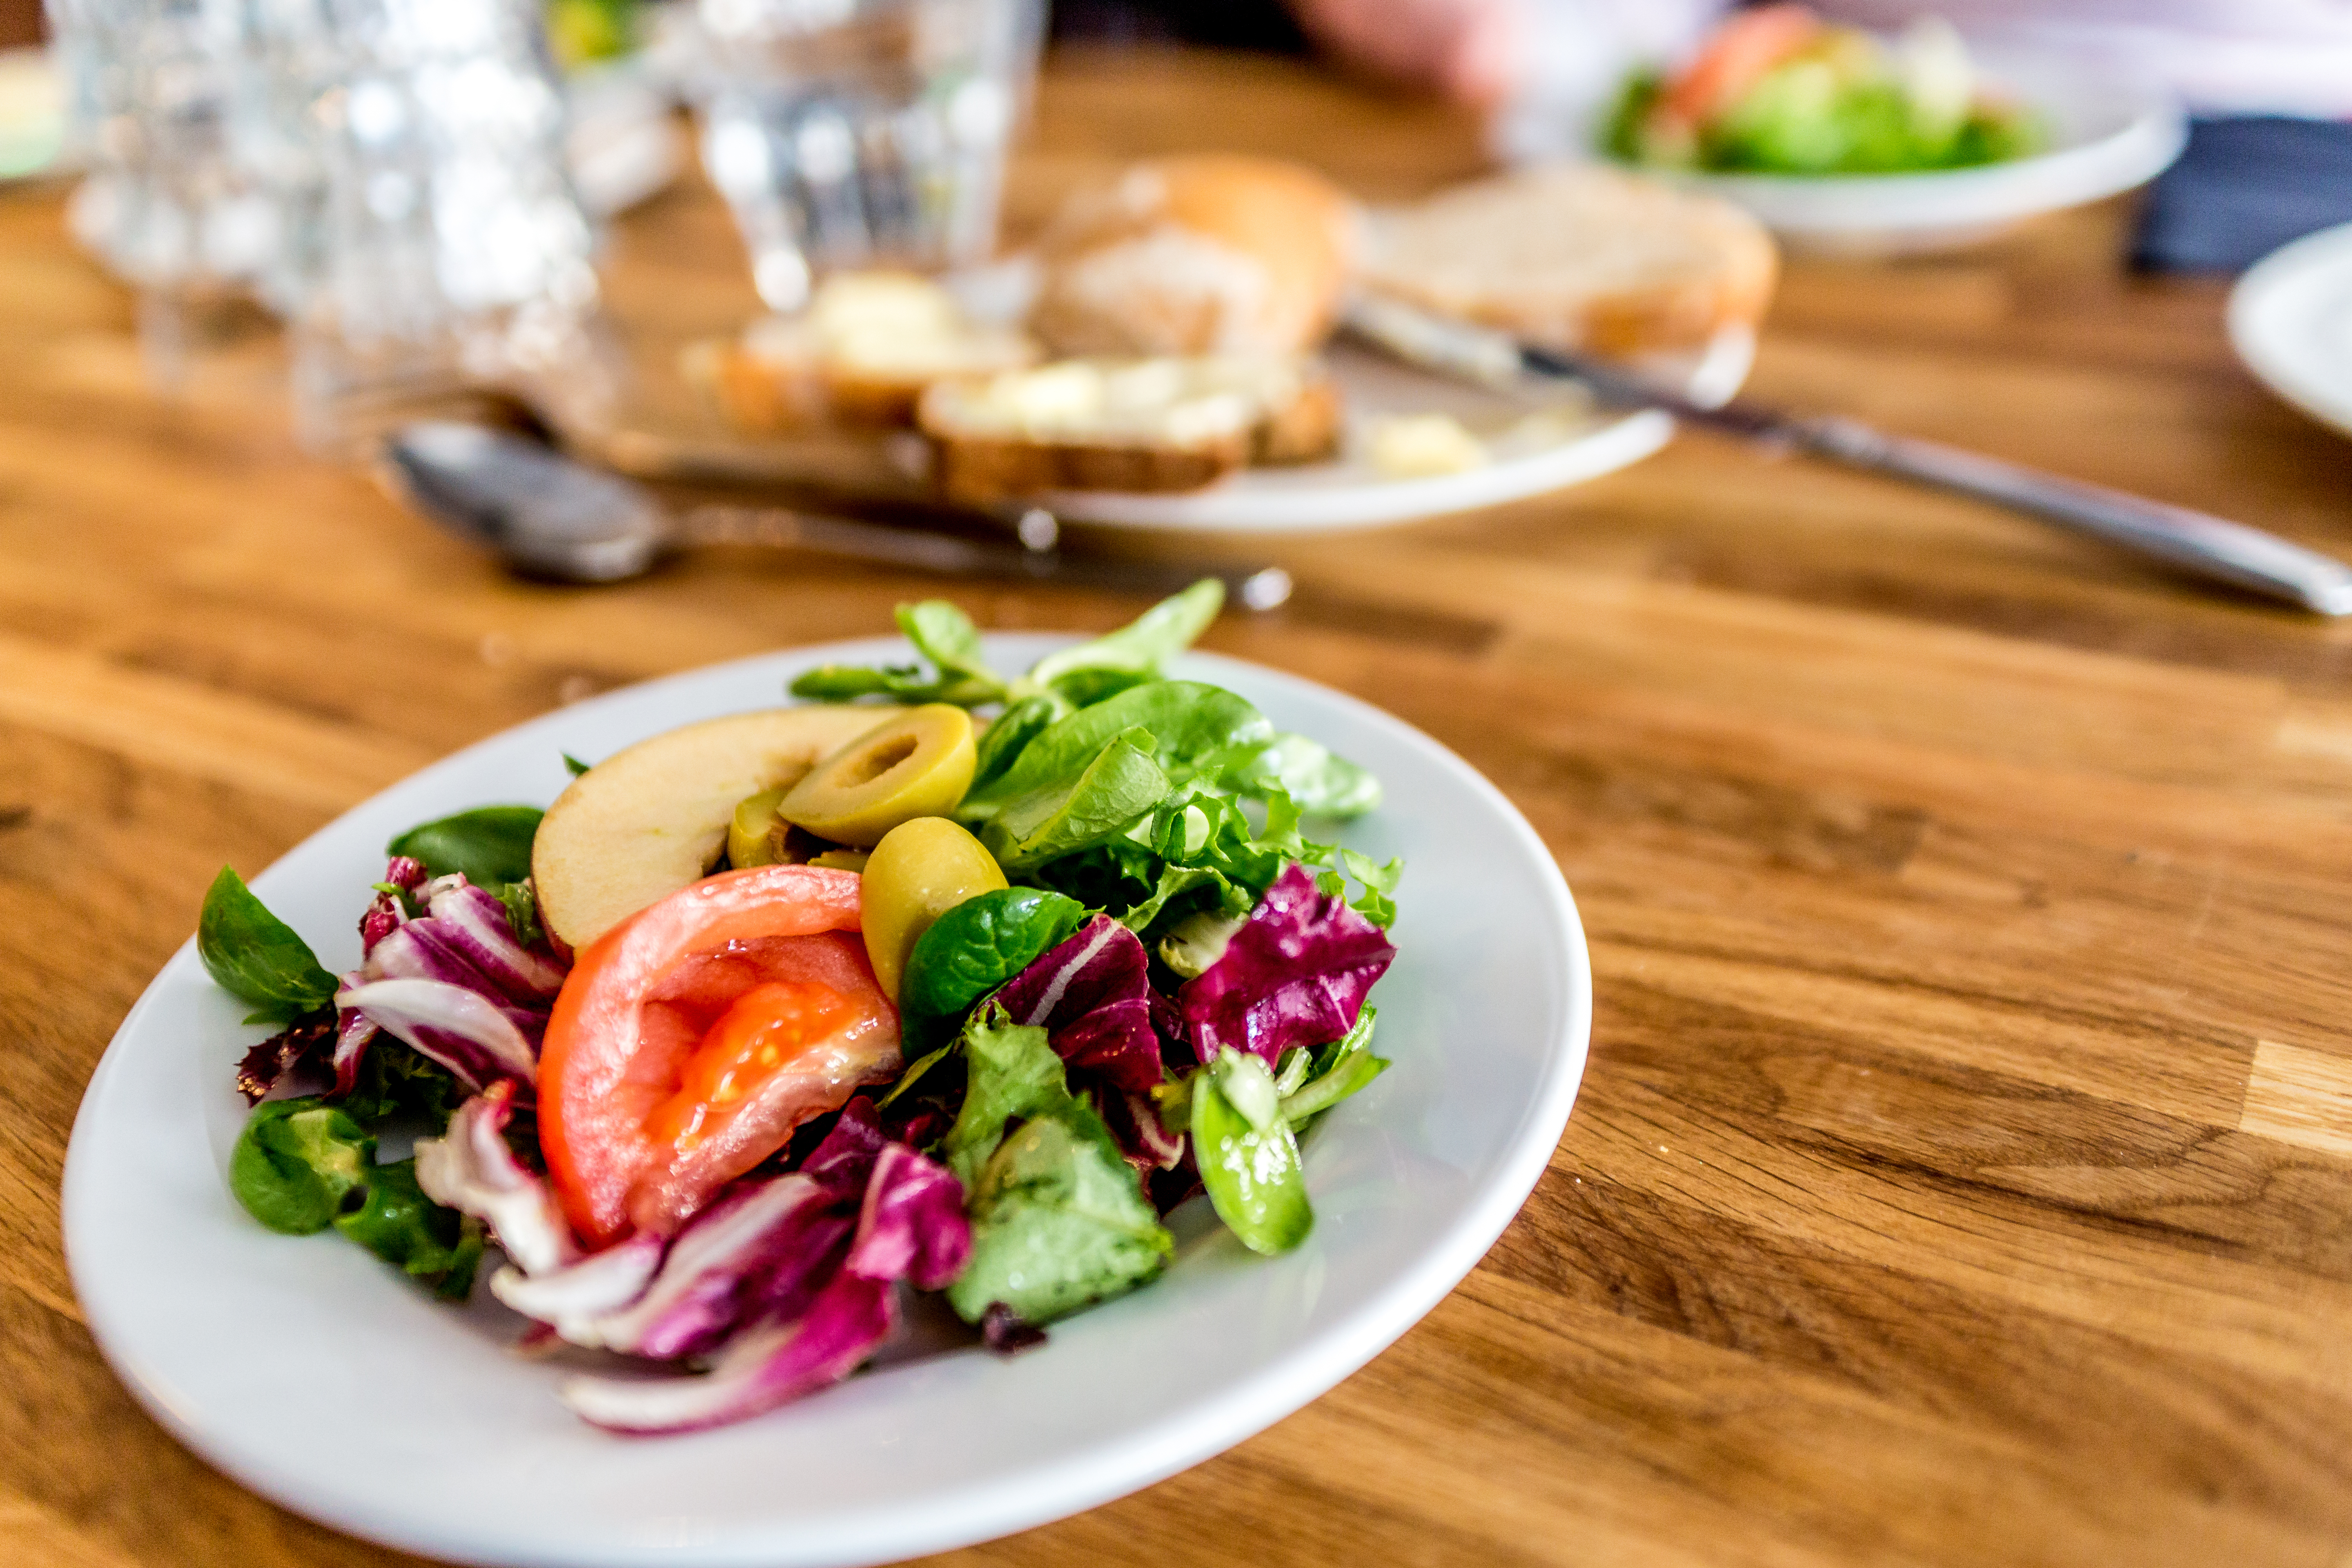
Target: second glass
pixel 861 132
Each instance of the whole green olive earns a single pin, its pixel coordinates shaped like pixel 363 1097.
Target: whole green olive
pixel 915 764
pixel 920 870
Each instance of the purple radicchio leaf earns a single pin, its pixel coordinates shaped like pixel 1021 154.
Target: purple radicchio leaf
pixel 912 1226
pixel 846 1159
pixel 769 1367
pixel 306 1043
pixel 470 1169
pixel 473 1035
pixel 1114 1044
pixel 1135 1122
pixel 354 1032
pixel 571 1298
pixel 1295 973
pixel 404 871
pixel 762 1251
pixel 909 1224
pixel 1102 963
pixel 474 924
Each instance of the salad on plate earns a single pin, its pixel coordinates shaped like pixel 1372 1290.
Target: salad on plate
pixel 940 982
pixel 1776 90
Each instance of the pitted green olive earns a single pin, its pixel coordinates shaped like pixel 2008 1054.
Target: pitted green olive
pixel 915 764
pixel 920 870
pixel 751 834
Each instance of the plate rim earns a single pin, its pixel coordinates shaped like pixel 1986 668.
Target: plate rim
pixel 2264 288
pixel 1143 1455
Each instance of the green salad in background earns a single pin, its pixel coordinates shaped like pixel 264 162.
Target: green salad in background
pixel 1776 90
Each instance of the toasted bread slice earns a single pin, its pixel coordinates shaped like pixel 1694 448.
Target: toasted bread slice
pixel 860 355
pixel 1579 257
pixel 1160 424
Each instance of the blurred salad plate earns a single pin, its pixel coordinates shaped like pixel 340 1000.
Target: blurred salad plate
pixel 1845 143
pixel 2291 321
pixel 718 1264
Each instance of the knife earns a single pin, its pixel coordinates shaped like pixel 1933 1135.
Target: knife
pixel 2195 541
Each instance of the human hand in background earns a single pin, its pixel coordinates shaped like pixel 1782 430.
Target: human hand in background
pixel 1473 51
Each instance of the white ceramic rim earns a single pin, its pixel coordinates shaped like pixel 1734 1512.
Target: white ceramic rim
pixel 1152 1450
pixel 2270 324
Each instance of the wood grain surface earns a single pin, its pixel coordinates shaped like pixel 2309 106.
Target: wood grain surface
pixel 1964 1170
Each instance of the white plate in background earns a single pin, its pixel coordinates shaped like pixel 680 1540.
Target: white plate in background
pixel 315 1374
pixel 2291 321
pixel 2109 135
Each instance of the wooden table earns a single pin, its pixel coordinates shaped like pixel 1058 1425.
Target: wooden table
pixel 1964 1170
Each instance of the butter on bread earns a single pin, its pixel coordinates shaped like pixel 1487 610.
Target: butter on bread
pixel 1207 254
pixel 1155 424
pixel 861 354
pixel 1578 256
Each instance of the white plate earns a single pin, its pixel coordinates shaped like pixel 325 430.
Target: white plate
pixel 1528 457
pixel 2291 321
pixel 2109 134
pixel 310 1371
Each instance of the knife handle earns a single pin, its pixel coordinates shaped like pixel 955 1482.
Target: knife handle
pixel 2194 541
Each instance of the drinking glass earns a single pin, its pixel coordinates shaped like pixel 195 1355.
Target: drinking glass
pixel 861 132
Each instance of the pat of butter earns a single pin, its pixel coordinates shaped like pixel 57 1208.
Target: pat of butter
pixel 1418 446
pixel 1059 394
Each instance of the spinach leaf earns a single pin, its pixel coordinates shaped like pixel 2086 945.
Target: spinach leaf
pixel 1144 646
pixel 400 1224
pixel 491 845
pixel 1010 732
pixel 1115 792
pixel 1190 724
pixel 299 1163
pixel 975 947
pixel 1248 1159
pixel 256 957
pixel 1318 782
pixel 1058 1217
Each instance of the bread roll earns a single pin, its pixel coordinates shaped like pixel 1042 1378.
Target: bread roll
pixel 1578 256
pixel 1194 256
pixel 1164 423
pixel 861 354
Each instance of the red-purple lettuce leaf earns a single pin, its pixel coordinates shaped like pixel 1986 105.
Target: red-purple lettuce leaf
pixel 1294 974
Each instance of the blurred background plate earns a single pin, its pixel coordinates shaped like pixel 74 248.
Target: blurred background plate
pixel 2291 321
pixel 2110 134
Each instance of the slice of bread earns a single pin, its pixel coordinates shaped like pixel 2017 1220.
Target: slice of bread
pixel 860 355
pixel 1157 424
pixel 1578 256
pixel 1211 254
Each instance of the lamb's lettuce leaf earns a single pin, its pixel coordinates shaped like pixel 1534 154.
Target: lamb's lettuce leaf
pixel 1247 1157
pixel 256 957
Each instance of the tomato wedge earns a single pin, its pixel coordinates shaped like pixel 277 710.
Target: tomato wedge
pixel 1742 52
pixel 690 1040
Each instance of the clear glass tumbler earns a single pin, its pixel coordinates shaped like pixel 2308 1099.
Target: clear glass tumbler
pixel 861 132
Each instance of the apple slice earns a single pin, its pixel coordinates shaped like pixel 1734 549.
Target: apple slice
pixel 646 821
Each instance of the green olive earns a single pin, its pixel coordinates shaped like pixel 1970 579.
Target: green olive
pixel 915 764
pixel 919 871
pixel 750 838
pixel 841 859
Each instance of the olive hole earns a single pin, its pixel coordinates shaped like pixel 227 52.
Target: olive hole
pixel 866 769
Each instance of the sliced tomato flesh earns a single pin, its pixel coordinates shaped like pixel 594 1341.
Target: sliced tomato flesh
pixel 689 1041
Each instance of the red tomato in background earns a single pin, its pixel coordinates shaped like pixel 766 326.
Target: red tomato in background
pixel 1740 54
pixel 691 1039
